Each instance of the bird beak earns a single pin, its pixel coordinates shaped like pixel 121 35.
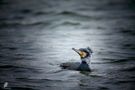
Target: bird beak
pixel 76 50
pixel 82 54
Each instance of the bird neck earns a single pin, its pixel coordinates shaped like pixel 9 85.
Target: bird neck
pixel 86 60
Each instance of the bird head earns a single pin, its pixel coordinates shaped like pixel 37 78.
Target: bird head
pixel 83 52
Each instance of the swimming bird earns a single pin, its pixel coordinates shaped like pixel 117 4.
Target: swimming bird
pixel 84 65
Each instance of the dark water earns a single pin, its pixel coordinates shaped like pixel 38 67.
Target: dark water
pixel 37 35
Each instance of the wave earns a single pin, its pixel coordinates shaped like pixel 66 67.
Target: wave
pixel 128 31
pixel 38 13
pixel 15 24
pixel 119 61
pixel 22 88
pixel 70 13
pixel 125 81
pixel 107 60
pixel 82 16
pixel 27 79
pixel 129 69
pixel 113 61
pixel 70 23
pixel 25 11
pixel 20 68
pixel 8 66
pixel 10 48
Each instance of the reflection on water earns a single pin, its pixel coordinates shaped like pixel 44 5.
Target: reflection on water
pixel 37 36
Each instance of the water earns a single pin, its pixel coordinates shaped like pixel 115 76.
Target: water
pixel 37 36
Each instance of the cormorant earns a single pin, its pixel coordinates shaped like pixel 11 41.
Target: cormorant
pixel 84 65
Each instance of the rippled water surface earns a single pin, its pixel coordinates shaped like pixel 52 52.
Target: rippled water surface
pixel 36 36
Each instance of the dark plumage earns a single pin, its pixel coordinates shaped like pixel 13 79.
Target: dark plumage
pixel 76 66
pixel 85 54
